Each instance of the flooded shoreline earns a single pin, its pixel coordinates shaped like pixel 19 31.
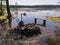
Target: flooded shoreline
pixel 48 32
pixel 29 18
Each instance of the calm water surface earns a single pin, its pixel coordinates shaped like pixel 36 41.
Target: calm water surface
pixel 29 18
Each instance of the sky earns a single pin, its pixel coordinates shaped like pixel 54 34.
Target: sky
pixel 33 2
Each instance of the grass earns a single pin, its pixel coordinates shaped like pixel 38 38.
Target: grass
pixel 3 17
pixel 56 19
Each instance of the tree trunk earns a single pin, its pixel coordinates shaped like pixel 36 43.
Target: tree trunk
pixel 1 8
pixel 8 11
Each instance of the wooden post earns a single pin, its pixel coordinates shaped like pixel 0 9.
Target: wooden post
pixel 21 17
pixel 35 21
pixel 44 22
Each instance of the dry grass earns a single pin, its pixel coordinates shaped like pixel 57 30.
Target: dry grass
pixel 54 42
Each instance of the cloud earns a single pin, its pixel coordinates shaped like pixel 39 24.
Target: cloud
pixel 33 2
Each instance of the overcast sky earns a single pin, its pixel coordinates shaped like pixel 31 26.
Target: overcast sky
pixel 33 2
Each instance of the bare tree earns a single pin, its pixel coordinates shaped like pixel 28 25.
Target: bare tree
pixel 8 11
pixel 1 8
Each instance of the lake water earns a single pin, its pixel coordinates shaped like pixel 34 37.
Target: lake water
pixel 29 18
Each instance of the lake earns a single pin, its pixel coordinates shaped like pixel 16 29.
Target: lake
pixel 29 18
